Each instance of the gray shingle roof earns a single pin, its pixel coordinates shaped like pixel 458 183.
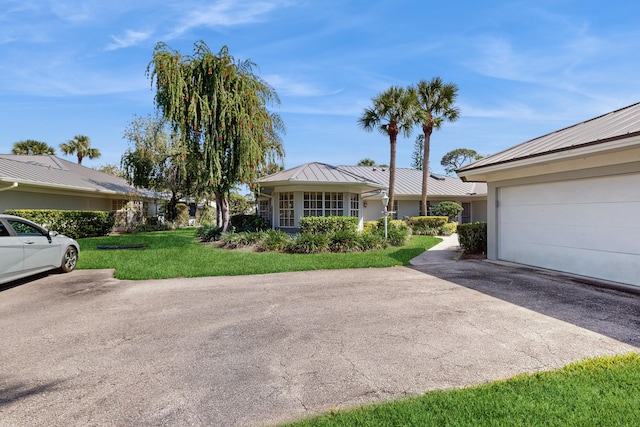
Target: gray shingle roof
pixel 616 125
pixel 51 171
pixel 408 181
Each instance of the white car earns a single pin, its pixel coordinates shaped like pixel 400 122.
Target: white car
pixel 26 249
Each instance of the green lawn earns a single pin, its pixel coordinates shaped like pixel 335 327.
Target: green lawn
pixel 178 253
pixel 595 392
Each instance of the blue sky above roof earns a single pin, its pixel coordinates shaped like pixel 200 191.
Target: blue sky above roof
pixel 524 69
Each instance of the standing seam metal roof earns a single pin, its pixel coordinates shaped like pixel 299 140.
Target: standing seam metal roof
pixel 408 181
pixel 618 124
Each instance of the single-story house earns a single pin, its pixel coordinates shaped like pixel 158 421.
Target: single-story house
pixel 48 182
pixel 570 200
pixel 319 189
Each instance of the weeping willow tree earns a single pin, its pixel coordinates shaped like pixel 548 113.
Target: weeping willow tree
pixel 217 106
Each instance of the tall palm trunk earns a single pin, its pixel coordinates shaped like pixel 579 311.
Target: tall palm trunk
pixel 427 129
pixel 393 139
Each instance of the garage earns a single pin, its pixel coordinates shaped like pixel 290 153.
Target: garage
pixel 568 200
pixel 588 227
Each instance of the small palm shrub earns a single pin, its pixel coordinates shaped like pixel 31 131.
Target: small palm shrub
pixel 275 240
pixel 371 241
pixel 344 241
pixel 398 233
pixel 209 233
pixel 232 240
pixel 308 243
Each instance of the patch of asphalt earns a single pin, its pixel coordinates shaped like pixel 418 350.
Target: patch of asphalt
pixel 86 349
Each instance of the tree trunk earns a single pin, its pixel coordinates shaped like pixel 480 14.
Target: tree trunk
pixel 427 129
pixel 393 139
pixel 171 207
pixel 222 205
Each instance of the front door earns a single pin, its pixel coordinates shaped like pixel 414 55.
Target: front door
pixel 466 213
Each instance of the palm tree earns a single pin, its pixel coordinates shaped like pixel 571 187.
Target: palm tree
pixel 32 147
pixel 80 145
pixel 435 105
pixel 393 111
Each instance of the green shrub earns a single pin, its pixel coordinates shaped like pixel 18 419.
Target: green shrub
pixel 371 241
pixel 426 222
pixel 473 237
pixel 448 209
pixel 370 226
pixel 275 240
pixel 309 243
pixel 327 224
pixel 74 224
pixel 231 240
pixel 399 236
pixel 344 241
pixel 242 222
pixel 448 229
pixel 209 233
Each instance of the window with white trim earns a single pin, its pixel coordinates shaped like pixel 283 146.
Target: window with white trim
pixel 263 210
pixel 354 208
pixel 318 203
pixel 286 210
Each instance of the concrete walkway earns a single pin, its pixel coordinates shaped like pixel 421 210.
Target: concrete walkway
pixel 446 251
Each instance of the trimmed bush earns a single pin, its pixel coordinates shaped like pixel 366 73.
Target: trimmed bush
pixel 309 243
pixel 426 222
pixel 74 224
pixel 242 223
pixel 370 227
pixel 448 209
pixel 448 229
pixel 399 236
pixel 327 224
pixel 473 237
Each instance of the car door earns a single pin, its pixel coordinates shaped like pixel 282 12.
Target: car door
pixel 11 254
pixel 40 253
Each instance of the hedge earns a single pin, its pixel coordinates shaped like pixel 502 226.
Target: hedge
pixel 74 224
pixel 473 237
pixel 327 224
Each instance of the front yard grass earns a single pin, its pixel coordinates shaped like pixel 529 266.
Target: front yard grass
pixel 178 253
pixel 595 392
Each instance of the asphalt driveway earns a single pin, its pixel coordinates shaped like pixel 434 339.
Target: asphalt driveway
pixel 86 349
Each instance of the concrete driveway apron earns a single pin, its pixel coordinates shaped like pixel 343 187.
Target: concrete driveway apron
pixel 86 349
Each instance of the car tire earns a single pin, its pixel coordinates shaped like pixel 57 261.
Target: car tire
pixel 69 259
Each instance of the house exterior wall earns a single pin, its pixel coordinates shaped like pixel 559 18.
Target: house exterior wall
pixel 14 199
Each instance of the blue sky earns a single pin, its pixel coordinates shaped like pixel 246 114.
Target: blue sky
pixel 524 68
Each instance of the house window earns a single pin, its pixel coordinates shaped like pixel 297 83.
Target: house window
pixel 354 205
pixel 395 210
pixel 263 210
pixel 333 205
pixel 318 203
pixel 312 204
pixel 117 205
pixel 285 205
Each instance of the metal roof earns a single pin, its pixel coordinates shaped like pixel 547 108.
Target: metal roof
pixel 408 181
pixel 51 171
pixel 616 125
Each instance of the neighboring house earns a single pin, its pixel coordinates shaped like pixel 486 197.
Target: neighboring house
pixel 569 200
pixel 48 182
pixel 318 189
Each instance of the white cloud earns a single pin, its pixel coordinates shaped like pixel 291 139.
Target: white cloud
pixel 285 85
pixel 130 38
pixel 225 13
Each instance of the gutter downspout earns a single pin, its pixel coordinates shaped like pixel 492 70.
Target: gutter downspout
pixel 12 186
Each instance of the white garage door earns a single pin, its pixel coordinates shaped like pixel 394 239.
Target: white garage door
pixel 589 227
